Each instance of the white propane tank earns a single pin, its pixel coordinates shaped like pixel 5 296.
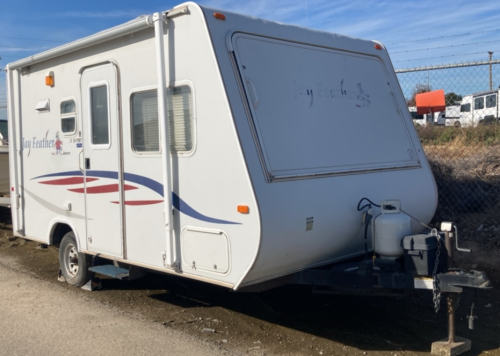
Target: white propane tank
pixel 390 228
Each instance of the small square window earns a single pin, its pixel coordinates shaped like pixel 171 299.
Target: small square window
pixel 68 107
pixel 465 108
pixel 68 124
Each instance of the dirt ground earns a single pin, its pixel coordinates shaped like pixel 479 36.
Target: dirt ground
pixel 291 320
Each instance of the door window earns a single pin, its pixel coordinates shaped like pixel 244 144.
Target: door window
pixel 99 115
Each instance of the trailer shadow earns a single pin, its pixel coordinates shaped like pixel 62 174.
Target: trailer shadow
pixel 292 314
pixel 285 320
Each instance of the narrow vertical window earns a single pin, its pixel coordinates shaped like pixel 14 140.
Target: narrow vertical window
pixel 68 116
pixel 479 103
pixel 491 101
pixel 99 115
pixel 145 127
pixel 180 118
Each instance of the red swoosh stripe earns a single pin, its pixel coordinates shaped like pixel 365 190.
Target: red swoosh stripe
pixel 69 181
pixel 110 188
pixel 140 202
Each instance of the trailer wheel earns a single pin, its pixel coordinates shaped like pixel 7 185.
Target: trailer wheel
pixel 74 265
pixel 457 124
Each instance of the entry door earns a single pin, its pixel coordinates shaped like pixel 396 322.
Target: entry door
pixel 101 160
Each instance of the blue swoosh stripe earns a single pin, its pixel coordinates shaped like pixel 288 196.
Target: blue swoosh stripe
pixel 60 174
pixel 147 182
pixel 184 208
pixel 155 186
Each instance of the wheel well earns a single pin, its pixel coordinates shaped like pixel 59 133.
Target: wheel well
pixel 58 232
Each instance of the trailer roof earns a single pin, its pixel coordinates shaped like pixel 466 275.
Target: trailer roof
pixel 486 92
pixel 140 23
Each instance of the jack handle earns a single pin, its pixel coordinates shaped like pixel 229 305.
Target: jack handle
pixel 447 227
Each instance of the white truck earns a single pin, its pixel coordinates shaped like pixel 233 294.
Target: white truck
pixel 478 108
pixel 437 118
pixel 223 148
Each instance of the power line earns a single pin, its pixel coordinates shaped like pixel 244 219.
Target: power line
pixel 460 45
pixel 451 55
pixel 438 38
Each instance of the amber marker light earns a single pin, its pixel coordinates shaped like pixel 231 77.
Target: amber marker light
pixel 377 46
pixel 243 209
pixel 219 16
pixel 49 79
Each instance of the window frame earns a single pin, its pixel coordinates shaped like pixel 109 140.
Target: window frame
pixel 98 146
pixel 68 115
pixel 466 105
pixel 171 85
pixel 131 108
pixel 486 101
pixel 479 99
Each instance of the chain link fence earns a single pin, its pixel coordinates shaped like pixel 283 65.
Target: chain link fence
pixel 462 143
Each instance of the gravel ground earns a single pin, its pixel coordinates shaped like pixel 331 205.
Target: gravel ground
pixel 38 319
pixel 285 321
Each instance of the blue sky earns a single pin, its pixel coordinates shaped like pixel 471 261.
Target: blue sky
pixel 417 33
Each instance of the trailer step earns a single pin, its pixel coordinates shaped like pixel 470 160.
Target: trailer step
pixel 111 271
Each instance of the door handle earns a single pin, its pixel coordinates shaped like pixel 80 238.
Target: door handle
pixel 87 163
pixel 253 93
pixel 80 161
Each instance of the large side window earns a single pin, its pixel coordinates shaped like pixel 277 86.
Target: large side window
pixel 145 126
pixel 99 115
pixel 465 108
pixel 68 117
pixel 479 103
pixel 491 101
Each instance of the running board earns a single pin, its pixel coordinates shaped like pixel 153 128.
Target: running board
pixel 111 271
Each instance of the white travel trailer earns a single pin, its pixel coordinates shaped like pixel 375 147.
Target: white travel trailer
pixel 213 146
pixel 478 108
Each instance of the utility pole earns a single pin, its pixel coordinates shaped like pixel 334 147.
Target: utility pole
pixel 491 80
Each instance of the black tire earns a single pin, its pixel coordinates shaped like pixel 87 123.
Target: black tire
pixel 74 265
pixel 457 124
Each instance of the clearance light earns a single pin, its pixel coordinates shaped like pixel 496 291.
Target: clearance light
pixel 49 79
pixel 219 16
pixel 377 46
pixel 243 209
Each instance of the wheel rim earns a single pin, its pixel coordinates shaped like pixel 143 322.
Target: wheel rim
pixel 71 260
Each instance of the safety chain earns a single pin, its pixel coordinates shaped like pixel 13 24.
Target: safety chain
pixel 436 291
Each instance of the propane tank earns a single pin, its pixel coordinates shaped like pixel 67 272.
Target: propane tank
pixel 390 228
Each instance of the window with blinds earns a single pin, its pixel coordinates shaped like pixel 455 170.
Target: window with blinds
pixel 145 126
